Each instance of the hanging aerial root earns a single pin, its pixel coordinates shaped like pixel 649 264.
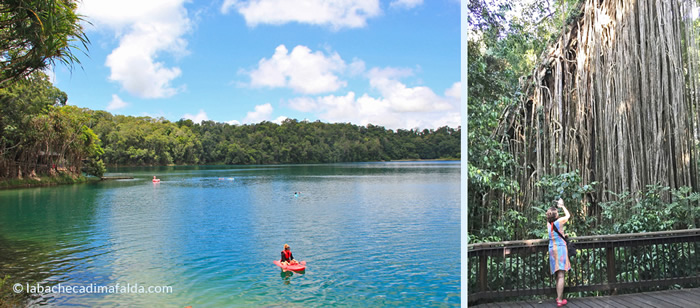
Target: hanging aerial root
pixel 615 97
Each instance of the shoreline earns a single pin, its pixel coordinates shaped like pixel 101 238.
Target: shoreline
pixel 44 181
pixel 434 159
pixel 64 179
pixel 277 164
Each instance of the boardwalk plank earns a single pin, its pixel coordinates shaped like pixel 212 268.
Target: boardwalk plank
pixel 651 301
pixel 534 304
pixel 634 301
pixel 600 302
pixel 692 295
pixel 604 302
pixel 630 301
pixel 689 295
pixel 576 303
pixel 579 303
pixel 670 298
pixel 615 302
pixel 508 304
pixel 511 304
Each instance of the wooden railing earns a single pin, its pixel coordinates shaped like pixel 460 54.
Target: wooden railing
pixel 607 262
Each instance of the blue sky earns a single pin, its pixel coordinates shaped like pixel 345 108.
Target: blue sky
pixel 394 63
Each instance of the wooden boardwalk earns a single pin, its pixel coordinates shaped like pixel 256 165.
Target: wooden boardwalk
pixel 659 299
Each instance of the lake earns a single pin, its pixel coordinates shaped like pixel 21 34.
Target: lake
pixel 372 234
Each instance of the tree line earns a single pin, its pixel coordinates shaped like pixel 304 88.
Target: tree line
pixel 40 134
pixel 138 141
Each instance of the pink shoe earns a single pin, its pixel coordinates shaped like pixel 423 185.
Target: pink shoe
pixel 561 302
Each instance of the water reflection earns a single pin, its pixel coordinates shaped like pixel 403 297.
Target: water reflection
pixel 50 235
pixel 286 276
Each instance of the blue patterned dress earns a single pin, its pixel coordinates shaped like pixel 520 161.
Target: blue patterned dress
pixel 558 255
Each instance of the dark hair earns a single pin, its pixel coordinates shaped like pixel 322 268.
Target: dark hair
pixel 552 214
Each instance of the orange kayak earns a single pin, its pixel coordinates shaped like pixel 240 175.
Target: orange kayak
pixel 291 267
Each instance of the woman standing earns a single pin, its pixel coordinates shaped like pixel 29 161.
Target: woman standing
pixel 558 255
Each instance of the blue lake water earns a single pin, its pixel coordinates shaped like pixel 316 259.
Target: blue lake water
pixel 372 234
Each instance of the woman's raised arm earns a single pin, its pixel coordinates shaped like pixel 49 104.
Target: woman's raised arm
pixel 566 217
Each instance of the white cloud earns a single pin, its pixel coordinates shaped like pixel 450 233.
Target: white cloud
pixel 399 97
pixel 198 118
pixel 261 113
pixel 455 91
pixel 356 67
pixel 303 104
pixel 406 4
pixel 388 73
pixel 233 122
pixel 301 70
pixel 279 119
pixel 116 103
pixel 333 13
pixel 398 106
pixel 145 30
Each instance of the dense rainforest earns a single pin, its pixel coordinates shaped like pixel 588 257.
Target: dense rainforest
pixel 591 101
pixel 39 134
pixel 43 135
pixel 131 140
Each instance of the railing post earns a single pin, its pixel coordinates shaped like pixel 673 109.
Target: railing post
pixel 610 251
pixel 482 273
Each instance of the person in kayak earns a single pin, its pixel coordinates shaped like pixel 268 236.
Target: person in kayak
pixel 287 257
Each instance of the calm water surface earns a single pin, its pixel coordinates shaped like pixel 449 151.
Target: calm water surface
pixel 372 234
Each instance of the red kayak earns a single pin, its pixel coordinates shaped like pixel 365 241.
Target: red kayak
pixel 291 267
pixel 156 180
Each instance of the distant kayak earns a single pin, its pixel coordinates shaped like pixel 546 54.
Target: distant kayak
pixel 291 267
pixel 156 180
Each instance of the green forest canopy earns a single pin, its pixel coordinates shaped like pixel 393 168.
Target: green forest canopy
pixel 38 131
pixel 129 140
pixel 41 135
